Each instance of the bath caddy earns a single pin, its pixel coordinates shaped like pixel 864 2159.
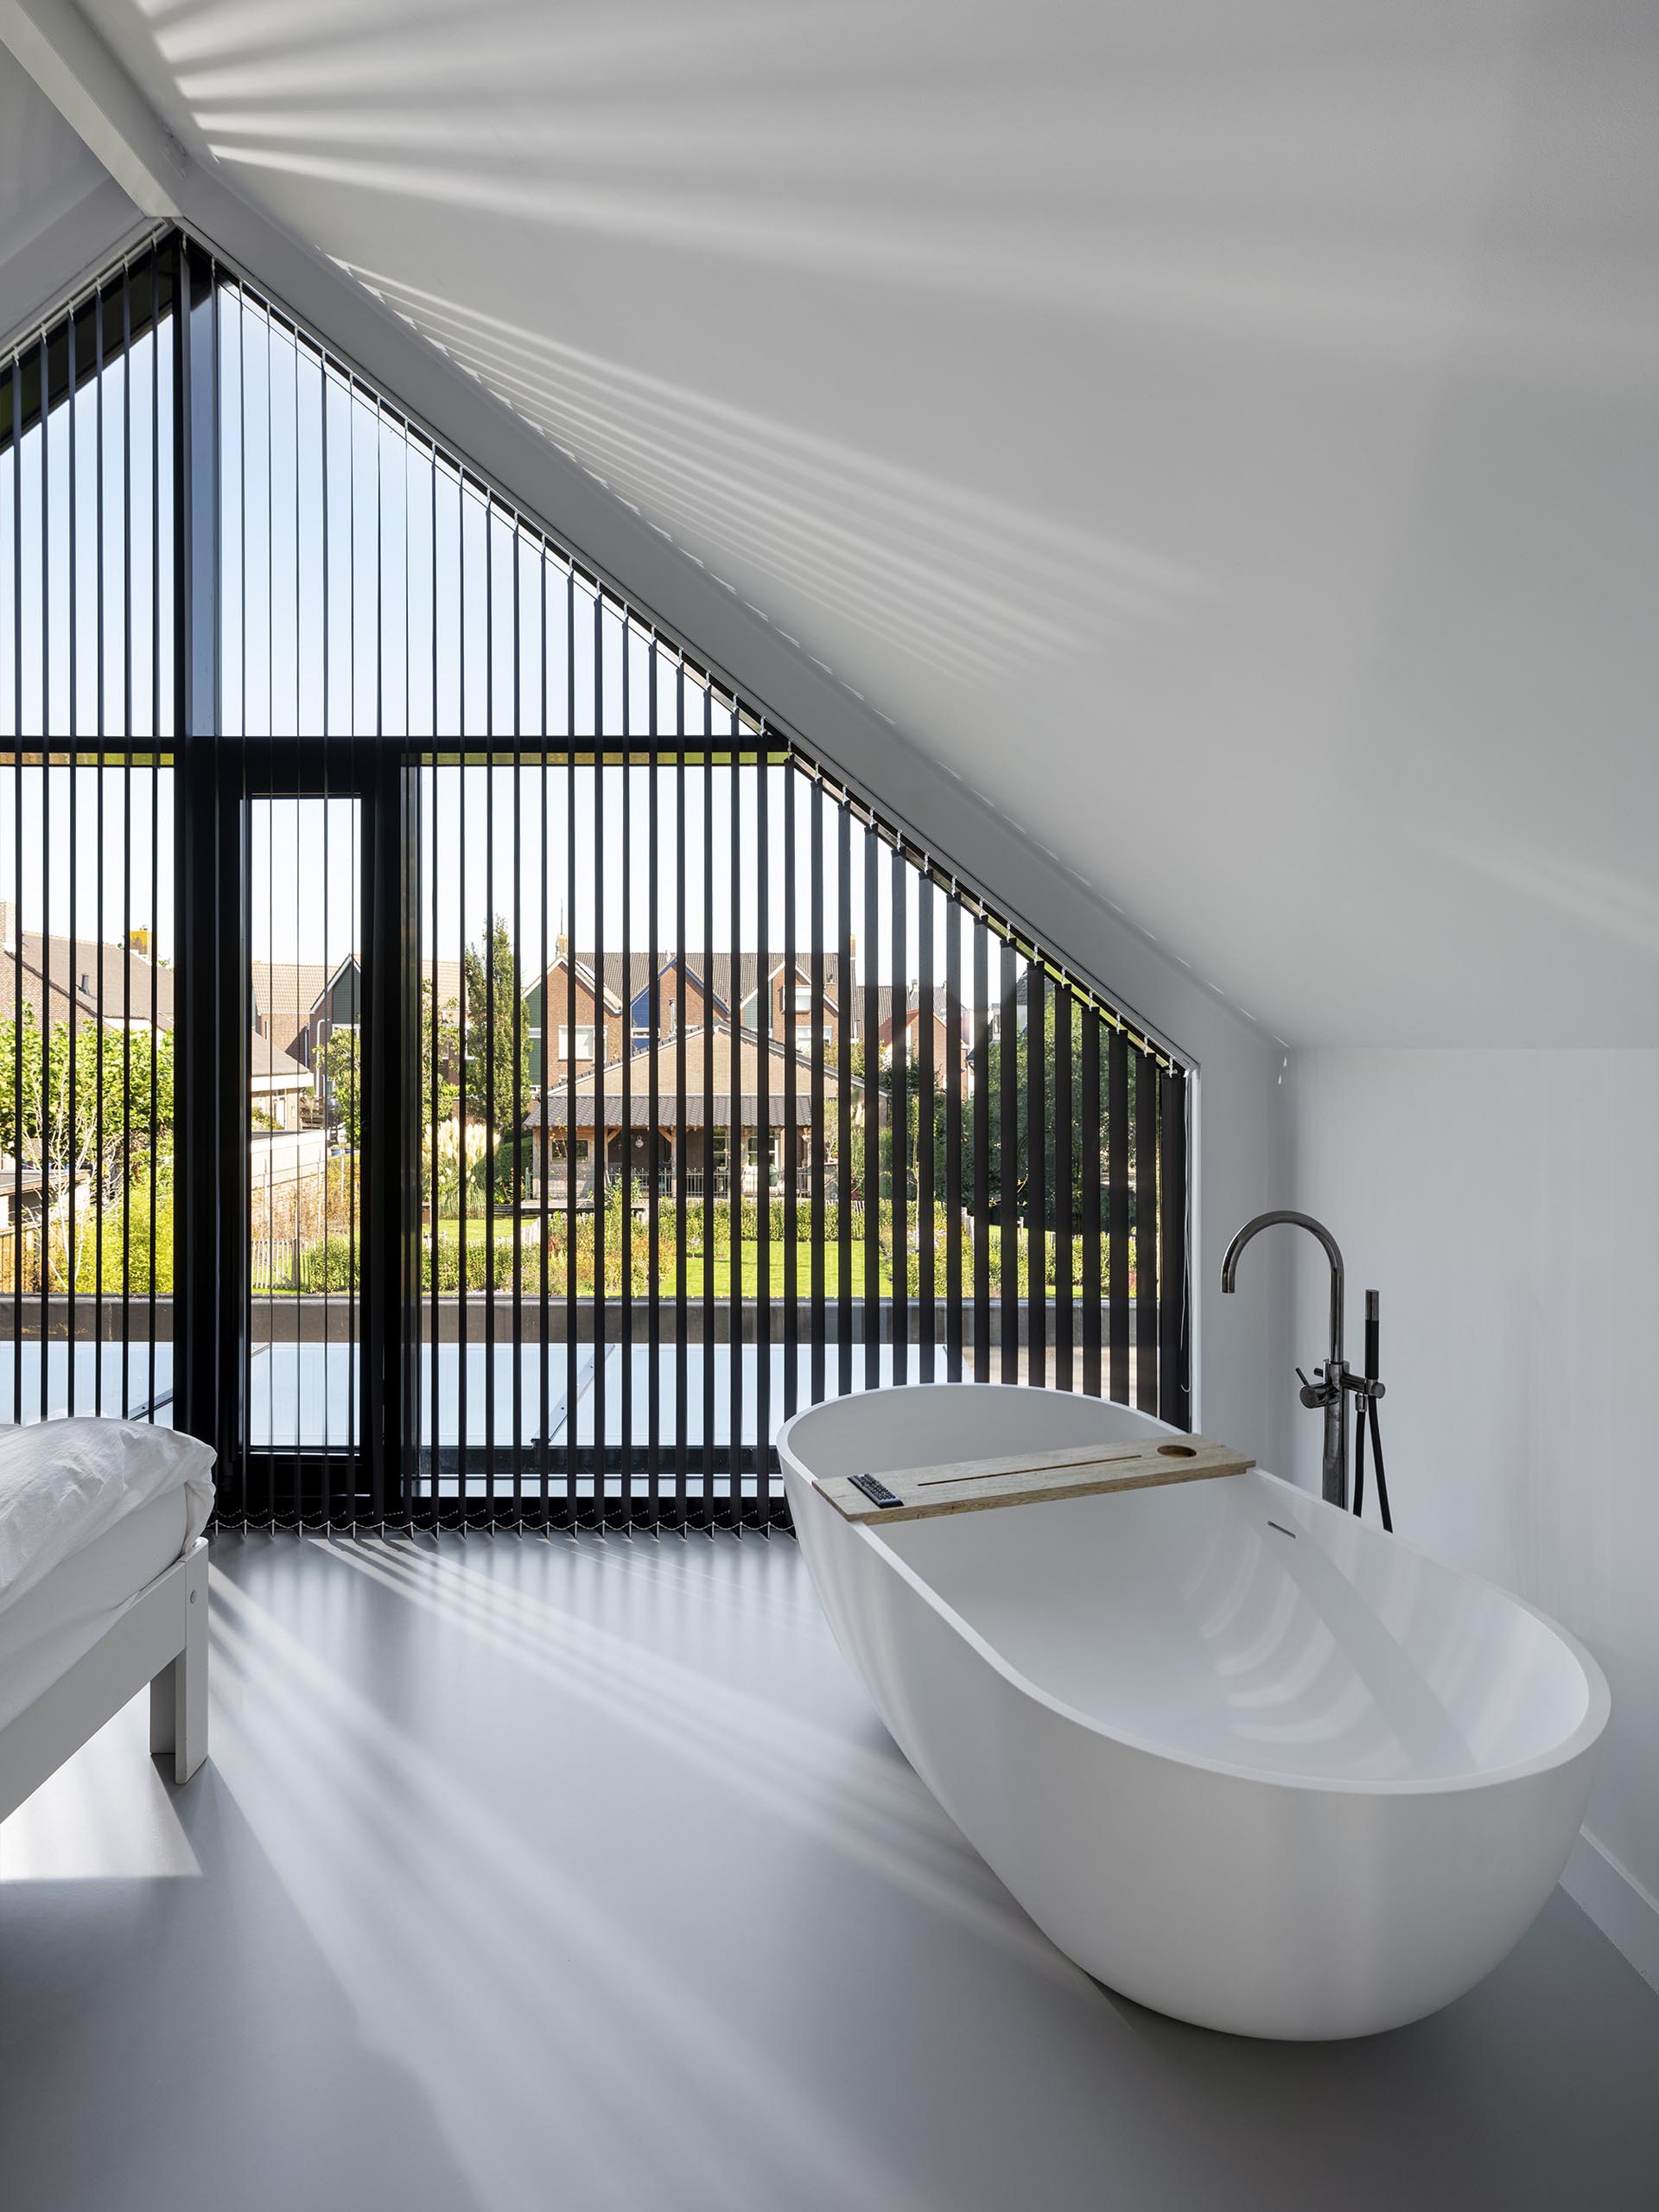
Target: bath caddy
pixel 1027 1477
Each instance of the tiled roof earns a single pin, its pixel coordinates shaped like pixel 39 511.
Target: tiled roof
pixel 285 992
pixel 54 975
pixel 714 970
pixel 717 1043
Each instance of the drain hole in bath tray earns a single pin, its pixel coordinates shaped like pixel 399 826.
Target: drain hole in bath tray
pixel 1177 1451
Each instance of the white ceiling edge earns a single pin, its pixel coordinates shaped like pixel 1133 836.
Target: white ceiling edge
pixel 963 829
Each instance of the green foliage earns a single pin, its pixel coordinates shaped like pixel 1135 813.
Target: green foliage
pixel 82 1109
pixel 440 1054
pixel 497 1041
pixel 342 1070
pixel 126 1229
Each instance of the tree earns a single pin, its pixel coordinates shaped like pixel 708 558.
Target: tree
pixel 342 1071
pixel 88 1102
pixel 440 1055
pixel 1087 1155
pixel 87 1109
pixel 498 1049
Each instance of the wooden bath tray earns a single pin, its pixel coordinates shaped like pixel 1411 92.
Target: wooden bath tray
pixel 1028 1478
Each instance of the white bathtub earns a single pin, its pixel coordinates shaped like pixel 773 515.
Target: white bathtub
pixel 1241 1757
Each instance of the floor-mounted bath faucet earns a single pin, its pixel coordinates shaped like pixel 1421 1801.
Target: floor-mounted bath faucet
pixel 1331 1391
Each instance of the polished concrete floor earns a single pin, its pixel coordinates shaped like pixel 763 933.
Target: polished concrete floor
pixel 535 1874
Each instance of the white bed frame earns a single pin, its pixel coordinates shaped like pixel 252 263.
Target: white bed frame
pixel 161 1639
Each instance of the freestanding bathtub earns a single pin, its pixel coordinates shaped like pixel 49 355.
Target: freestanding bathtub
pixel 1242 1758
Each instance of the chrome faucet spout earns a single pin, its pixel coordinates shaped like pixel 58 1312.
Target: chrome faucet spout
pixel 1331 1394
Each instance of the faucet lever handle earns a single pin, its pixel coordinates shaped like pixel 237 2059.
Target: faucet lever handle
pixel 1310 1394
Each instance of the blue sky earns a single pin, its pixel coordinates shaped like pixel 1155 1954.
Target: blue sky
pixel 364 586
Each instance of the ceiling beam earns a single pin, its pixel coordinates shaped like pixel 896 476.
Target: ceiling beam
pixel 59 48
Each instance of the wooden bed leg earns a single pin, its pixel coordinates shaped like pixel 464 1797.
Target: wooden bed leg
pixel 178 1695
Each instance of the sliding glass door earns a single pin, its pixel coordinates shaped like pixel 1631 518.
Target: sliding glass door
pixel 305 1121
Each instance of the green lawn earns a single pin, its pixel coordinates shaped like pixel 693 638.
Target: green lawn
pixel 331 1268
pixel 751 1272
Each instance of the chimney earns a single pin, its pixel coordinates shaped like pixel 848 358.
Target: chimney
pixel 139 940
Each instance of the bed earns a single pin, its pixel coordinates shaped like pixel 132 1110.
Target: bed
pixel 103 1589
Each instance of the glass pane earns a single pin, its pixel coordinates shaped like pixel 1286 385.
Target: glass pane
pixel 304 1128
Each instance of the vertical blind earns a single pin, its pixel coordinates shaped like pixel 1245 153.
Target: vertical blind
pixel 695 1153
pixel 88 452
pixel 575 1078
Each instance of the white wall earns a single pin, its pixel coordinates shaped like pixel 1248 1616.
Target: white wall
pixel 1506 1204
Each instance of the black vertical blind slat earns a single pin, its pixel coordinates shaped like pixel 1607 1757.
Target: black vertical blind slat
pixel 789 1140
pixel 17 881
pixel 463 1151
pixel 846 985
pixel 600 1138
pixel 492 1134
pixel 1173 1405
pixel 538 1142
pixel 126 830
pixel 327 1467
pixel 1064 1221
pixel 432 996
pixel 572 1431
pixel 955 1045
pixel 653 1117
pixel 515 1181
pixel 152 1388
pixel 95 1195
pixel 46 924
pixel 1146 1233
pixel 1089 1181
pixel 361 1399
pixel 706 1514
pixel 625 1390
pixel 1007 1164
pixel 872 1107
pixel 981 1152
pixel 816 1134
pixel 1036 1175
pixel 734 1156
pixel 899 1123
pixel 1117 1244
pixel 17 1017
pixel 763 1074
pixel 73 993
pixel 681 1191
pixel 925 1093
pixel 71 980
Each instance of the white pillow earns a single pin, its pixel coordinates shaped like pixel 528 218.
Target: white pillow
pixel 64 1482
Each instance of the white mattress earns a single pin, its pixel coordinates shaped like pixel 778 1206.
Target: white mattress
pixel 45 1630
pixel 62 1482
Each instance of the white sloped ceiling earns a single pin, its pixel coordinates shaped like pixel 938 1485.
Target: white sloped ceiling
pixel 1226 436
pixel 60 213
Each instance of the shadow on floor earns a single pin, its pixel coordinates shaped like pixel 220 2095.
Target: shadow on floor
pixel 579 1873
pixel 181 2041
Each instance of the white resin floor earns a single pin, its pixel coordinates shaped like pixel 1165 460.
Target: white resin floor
pixel 578 1872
